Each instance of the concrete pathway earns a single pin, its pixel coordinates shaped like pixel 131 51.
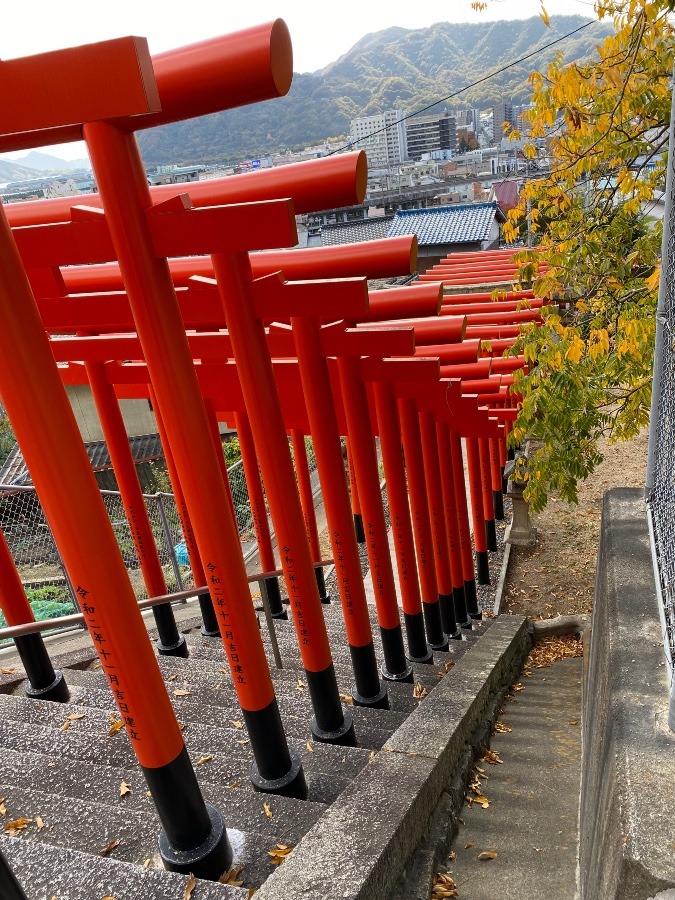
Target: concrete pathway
pixel 531 821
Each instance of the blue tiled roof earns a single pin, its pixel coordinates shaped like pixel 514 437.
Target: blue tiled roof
pixel 459 224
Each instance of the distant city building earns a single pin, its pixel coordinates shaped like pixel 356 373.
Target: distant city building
pixel 468 118
pixel 426 134
pixel 501 113
pixel 381 136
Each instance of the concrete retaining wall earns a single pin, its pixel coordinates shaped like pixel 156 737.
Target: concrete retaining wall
pixel 627 813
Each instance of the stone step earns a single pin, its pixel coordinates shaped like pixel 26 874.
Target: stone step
pixel 242 807
pixel 46 871
pixel 228 763
pixel 294 711
pixel 128 835
pixel 199 650
pixel 213 687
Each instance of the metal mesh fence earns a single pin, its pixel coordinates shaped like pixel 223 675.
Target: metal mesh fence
pixel 660 481
pixel 41 569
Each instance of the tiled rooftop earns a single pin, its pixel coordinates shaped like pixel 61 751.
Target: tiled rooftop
pixel 458 224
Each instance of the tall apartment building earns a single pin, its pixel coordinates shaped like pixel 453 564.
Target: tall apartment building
pixel 425 134
pixel 382 137
pixel 501 113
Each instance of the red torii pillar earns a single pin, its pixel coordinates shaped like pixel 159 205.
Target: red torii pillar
pixel 45 427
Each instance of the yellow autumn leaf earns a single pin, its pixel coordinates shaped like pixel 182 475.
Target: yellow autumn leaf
pixel 575 350
pixel 115 727
pixel 653 281
pixel 268 810
pixel 124 789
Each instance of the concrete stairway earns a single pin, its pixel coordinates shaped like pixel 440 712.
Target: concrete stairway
pixel 90 829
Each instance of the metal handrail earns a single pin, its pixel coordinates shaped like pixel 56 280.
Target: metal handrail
pixel 12 631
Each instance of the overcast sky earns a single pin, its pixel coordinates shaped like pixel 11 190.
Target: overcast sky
pixel 320 31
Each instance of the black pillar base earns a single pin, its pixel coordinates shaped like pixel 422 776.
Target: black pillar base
pixel 498 503
pixel 427 660
pixel 377 701
pixel 324 595
pixel 395 667
pixel 206 633
pixel 269 589
pixel 472 600
pixel 482 567
pixel 432 623
pixel 456 635
pixel 180 648
pixel 56 691
pixel 345 736
pixel 292 784
pixel 210 626
pixel 491 535
pixel 448 616
pixel 45 683
pixel 459 601
pixel 211 859
pixel 358 529
pixel 336 725
pixel 405 676
pixel 367 690
pixel 418 649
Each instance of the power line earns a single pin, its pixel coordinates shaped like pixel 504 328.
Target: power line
pixel 515 62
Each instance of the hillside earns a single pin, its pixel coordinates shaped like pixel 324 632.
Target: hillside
pixel 396 67
pixel 12 171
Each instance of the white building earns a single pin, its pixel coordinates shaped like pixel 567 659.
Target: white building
pixel 382 137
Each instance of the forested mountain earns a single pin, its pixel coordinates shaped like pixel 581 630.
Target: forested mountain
pixel 394 68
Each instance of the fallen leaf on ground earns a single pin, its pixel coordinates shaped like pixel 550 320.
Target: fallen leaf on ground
pixel 115 727
pixel 347 699
pixel 111 846
pixel 189 887
pixel 468 846
pixel 39 822
pixel 204 759
pixel 235 784
pixel 443 886
pixel 492 757
pixel 446 668
pixel 16 825
pixel 486 855
pixel 124 789
pixel 73 717
pixel 309 747
pixel 232 877
pixel 268 810
pixel 6 671
pixel 237 723
pixel 419 691
pixel 3 808
pixel 502 728
pixel 278 853
pixel 180 692
pixel 147 863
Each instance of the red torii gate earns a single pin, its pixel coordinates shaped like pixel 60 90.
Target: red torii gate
pixel 60 88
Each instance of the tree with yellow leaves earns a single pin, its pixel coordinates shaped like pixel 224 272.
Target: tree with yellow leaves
pixel 605 125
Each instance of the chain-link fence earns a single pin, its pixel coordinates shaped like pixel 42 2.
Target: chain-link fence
pixel 660 480
pixel 39 563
